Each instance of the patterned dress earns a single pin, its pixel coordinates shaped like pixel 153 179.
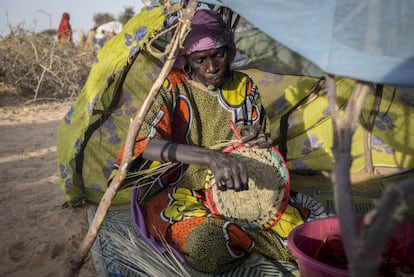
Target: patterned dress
pixel 174 206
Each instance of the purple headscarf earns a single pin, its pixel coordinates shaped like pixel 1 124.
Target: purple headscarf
pixel 208 31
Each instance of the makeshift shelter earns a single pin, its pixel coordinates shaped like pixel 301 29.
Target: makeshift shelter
pixel 112 26
pixel 98 121
pixel 286 47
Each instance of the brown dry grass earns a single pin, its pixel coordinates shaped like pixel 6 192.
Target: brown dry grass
pixel 35 67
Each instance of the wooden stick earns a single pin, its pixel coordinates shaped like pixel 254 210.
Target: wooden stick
pixel 78 258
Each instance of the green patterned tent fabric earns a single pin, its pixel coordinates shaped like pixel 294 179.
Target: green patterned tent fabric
pixel 93 130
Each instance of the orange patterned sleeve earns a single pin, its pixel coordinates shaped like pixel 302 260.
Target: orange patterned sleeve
pixel 156 124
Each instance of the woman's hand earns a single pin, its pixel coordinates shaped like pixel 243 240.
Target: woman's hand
pixel 253 135
pixel 229 172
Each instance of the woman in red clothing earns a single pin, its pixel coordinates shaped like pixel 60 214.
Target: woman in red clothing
pixel 64 32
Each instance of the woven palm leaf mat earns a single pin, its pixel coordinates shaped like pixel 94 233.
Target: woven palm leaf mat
pixel 108 262
pixel 364 191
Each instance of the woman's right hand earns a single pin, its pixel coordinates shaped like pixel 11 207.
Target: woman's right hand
pixel 229 172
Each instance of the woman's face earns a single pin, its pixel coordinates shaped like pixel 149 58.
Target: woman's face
pixel 209 67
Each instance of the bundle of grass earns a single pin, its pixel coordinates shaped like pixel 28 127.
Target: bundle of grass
pixel 141 259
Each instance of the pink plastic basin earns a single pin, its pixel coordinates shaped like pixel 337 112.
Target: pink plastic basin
pixel 306 240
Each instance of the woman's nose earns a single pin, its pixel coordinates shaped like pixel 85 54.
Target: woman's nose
pixel 211 66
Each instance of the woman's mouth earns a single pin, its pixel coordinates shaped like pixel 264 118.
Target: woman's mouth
pixel 215 80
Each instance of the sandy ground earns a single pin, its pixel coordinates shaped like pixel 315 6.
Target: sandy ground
pixel 37 235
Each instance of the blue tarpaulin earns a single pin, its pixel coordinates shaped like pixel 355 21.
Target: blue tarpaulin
pixel 369 40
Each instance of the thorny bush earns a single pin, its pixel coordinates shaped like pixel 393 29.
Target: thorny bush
pixel 37 66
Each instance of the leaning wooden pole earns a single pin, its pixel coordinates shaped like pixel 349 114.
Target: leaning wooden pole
pixel 181 32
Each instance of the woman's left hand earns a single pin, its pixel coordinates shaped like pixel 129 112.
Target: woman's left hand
pixel 253 135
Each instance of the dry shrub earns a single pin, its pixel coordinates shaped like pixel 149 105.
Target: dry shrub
pixel 38 67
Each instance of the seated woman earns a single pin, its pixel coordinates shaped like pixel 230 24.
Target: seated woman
pixel 191 114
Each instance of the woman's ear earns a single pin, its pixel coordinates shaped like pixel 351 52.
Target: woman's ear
pixel 187 68
pixel 187 65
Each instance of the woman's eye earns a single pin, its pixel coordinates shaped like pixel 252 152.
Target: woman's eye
pixel 220 54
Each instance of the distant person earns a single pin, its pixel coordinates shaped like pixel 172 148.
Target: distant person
pixel 100 39
pixel 64 32
pixel 109 35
